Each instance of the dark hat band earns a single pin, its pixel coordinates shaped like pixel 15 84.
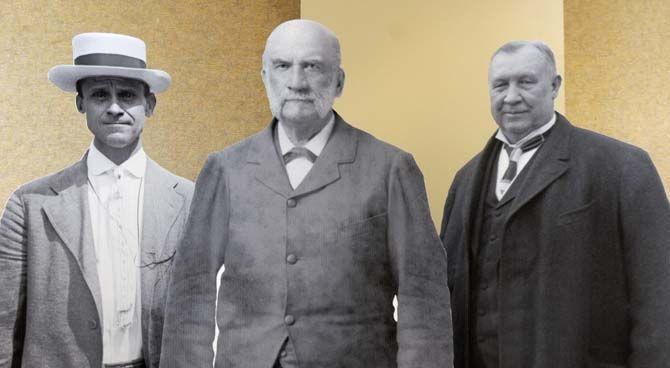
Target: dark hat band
pixel 110 60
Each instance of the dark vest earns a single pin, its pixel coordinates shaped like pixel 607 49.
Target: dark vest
pixel 484 314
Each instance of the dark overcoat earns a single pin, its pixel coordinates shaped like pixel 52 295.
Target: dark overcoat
pixel 50 307
pixel 319 264
pixel 584 272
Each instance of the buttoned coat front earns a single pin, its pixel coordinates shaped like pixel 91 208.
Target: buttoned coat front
pixel 319 264
pixel 50 308
pixel 584 271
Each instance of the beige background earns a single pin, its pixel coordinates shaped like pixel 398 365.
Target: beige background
pixel 618 68
pixel 212 49
pixel 417 75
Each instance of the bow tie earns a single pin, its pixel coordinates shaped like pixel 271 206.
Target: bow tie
pixel 296 152
pixel 528 145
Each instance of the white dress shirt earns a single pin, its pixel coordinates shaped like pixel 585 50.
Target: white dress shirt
pixel 299 167
pixel 116 196
pixel 503 157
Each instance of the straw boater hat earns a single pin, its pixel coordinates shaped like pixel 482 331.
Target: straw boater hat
pixel 108 54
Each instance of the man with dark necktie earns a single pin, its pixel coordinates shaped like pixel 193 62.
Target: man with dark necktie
pixel 557 237
pixel 319 226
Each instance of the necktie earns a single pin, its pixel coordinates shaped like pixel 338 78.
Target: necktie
pixel 296 152
pixel 514 153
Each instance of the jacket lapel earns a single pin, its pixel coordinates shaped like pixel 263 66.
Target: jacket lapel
pixel 550 164
pixel 270 171
pixel 162 205
pixel 341 148
pixel 474 197
pixel 69 214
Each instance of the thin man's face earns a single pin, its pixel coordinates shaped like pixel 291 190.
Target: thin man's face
pixel 522 89
pixel 115 108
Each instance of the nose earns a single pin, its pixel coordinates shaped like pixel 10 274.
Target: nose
pixel 512 96
pixel 114 110
pixel 298 80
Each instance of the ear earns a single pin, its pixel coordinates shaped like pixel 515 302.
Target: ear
pixel 79 101
pixel 340 81
pixel 556 85
pixel 264 75
pixel 150 104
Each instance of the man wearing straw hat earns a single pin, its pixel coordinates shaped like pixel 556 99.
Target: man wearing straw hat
pixel 84 252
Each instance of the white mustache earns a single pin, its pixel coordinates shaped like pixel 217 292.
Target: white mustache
pixel 292 96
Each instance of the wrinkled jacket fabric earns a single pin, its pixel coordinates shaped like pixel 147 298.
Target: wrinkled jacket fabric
pixel 360 231
pixel 50 308
pixel 585 253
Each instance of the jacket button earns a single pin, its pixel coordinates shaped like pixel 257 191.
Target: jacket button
pixel 498 214
pixel 481 312
pixel 92 324
pixel 291 202
pixel 493 238
pixel 484 286
pixel 291 258
pixel 283 354
pixel 289 320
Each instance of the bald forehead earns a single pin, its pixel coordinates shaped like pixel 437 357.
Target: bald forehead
pixel 300 38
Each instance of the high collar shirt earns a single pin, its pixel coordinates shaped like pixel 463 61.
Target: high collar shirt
pixel 524 158
pixel 116 196
pixel 298 168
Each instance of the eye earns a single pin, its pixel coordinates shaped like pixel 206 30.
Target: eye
pixel 313 66
pixel 127 95
pixel 281 66
pixel 526 82
pixel 499 85
pixel 99 95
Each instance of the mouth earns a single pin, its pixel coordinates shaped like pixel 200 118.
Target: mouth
pixel 514 112
pixel 116 123
pixel 298 100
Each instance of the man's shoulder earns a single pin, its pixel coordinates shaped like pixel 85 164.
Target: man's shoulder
pixel 237 152
pixel 374 149
pixel 602 145
pixel 45 185
pixel 181 184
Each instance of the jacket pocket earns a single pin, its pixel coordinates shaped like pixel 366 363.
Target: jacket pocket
pixel 576 214
pixel 357 240
pixel 361 228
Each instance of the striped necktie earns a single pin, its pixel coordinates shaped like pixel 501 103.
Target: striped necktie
pixel 296 152
pixel 514 153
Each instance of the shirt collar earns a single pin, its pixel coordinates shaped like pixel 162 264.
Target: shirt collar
pixel 98 163
pixel 316 144
pixel 541 130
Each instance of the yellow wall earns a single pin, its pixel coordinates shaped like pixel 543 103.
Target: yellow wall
pixel 417 71
pixel 617 58
pixel 212 49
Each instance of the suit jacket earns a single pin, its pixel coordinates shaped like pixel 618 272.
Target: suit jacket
pixel 585 249
pixel 320 263
pixel 50 308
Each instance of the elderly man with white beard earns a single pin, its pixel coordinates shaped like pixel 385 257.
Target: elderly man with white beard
pixel 319 226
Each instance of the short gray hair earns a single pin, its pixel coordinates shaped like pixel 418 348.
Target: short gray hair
pixel 513 46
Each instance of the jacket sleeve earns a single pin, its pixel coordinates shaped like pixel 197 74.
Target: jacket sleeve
pixel 644 217
pixel 13 258
pixel 446 216
pixel 419 266
pixel 189 326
